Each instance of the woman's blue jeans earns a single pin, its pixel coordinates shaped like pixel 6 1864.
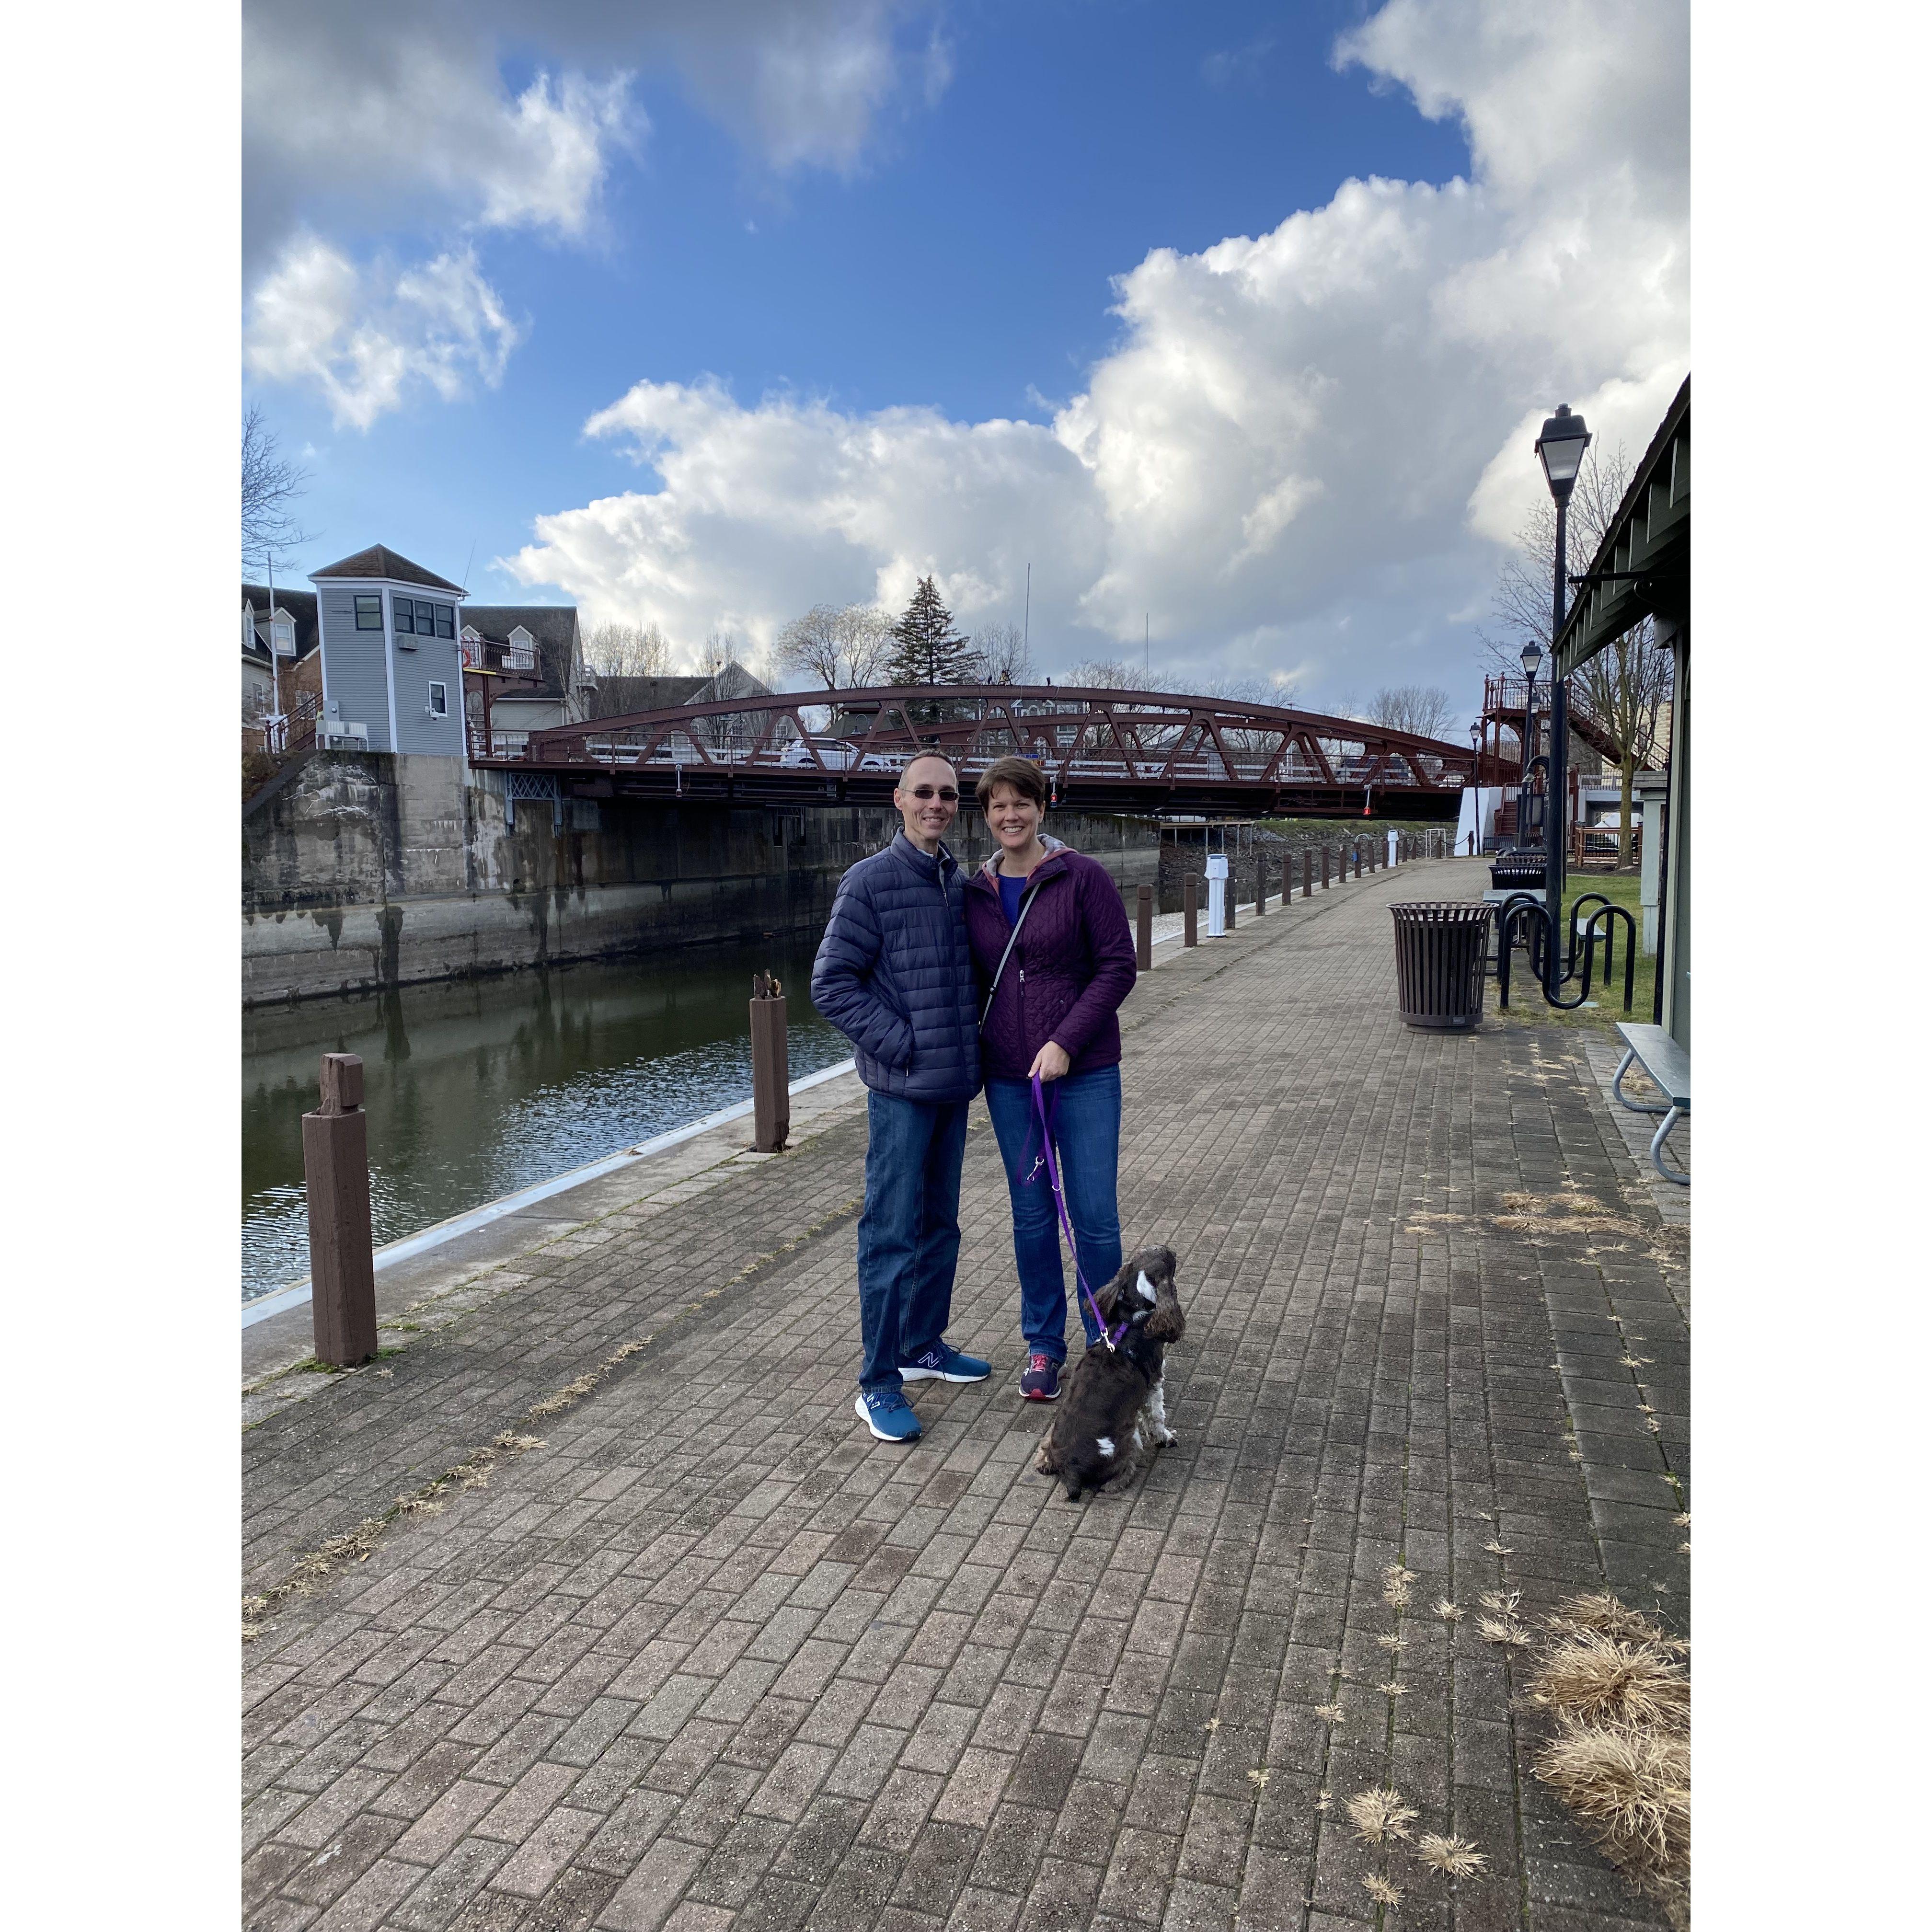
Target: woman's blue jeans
pixel 1085 1109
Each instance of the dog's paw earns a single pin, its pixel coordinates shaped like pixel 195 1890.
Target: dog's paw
pixel 1165 1437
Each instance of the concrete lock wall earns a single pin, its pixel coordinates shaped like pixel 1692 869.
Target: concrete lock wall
pixel 362 871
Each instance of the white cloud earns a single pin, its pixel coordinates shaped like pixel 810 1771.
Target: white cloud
pixel 365 339
pixel 382 110
pixel 395 116
pixel 1306 444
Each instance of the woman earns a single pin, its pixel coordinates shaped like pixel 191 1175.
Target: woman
pixel 1051 1012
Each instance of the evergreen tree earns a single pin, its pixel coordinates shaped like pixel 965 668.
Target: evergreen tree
pixel 926 649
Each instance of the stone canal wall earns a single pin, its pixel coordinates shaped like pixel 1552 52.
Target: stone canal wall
pixel 362 870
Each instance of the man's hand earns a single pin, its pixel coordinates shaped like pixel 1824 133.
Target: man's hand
pixel 1050 1062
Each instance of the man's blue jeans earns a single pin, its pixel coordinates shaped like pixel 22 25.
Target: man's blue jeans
pixel 1086 1112
pixel 909 1232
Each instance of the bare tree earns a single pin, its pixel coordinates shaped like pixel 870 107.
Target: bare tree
pixel 270 485
pixel 843 648
pixel 1423 710
pixel 628 650
pixel 1620 696
pixel 1003 656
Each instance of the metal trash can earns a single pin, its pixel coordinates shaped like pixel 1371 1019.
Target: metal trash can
pixel 1440 947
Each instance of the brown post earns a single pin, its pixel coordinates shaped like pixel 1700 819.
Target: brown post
pixel 771 1067
pixel 1144 930
pixel 1324 869
pixel 1308 872
pixel 1233 886
pixel 341 1251
pixel 1189 935
pixel 1358 862
pixel 1261 883
pixel 1288 876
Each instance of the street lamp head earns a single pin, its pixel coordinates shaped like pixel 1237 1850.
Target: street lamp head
pixel 1532 656
pixel 1561 446
pixel 1475 731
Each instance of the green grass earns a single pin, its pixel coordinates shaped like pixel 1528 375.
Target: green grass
pixel 1528 1007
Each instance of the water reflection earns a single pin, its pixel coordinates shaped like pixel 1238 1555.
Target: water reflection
pixel 475 1090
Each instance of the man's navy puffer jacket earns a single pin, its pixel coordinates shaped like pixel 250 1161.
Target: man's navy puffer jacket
pixel 894 974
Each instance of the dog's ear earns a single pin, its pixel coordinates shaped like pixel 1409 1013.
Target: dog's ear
pixel 1167 1323
pixel 1118 1300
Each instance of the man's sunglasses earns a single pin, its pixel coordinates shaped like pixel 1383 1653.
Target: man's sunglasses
pixel 945 794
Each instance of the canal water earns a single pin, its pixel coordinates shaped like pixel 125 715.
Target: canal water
pixel 476 1089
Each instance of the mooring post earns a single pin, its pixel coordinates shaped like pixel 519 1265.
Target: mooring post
pixel 1308 872
pixel 1189 933
pixel 1358 862
pixel 341 1251
pixel 1144 929
pixel 1324 869
pixel 771 1067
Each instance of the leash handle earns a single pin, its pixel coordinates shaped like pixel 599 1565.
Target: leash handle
pixel 1045 1114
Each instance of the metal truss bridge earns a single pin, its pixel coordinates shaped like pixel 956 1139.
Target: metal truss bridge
pixel 1147 753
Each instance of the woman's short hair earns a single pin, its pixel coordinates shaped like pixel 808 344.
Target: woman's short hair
pixel 1024 777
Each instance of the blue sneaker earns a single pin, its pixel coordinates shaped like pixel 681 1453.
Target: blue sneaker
pixel 1041 1382
pixel 940 1363
pixel 888 1415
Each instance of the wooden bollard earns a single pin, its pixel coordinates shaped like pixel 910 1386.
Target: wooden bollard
pixel 1260 884
pixel 1358 862
pixel 1233 886
pixel 1144 930
pixel 1189 927
pixel 341 1251
pixel 771 1067
pixel 1324 869
pixel 1307 871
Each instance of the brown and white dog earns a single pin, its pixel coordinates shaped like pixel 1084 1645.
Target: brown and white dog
pixel 1112 1414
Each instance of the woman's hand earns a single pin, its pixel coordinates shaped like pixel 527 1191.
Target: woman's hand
pixel 1050 1062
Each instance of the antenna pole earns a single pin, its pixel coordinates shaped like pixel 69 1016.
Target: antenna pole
pixel 1026 636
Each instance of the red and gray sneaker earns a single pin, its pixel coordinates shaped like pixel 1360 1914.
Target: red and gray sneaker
pixel 1041 1382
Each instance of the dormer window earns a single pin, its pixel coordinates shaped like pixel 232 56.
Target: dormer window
pixel 282 631
pixel 522 650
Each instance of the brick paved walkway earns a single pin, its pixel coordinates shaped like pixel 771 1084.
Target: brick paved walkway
pixel 700 1656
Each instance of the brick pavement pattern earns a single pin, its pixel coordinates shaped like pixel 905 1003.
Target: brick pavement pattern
pixel 709 1658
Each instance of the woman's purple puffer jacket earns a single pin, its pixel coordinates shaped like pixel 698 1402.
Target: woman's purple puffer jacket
pixel 1072 966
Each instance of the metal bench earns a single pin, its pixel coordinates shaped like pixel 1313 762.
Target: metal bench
pixel 1669 1066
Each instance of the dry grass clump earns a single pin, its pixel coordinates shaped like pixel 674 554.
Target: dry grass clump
pixel 1594 1679
pixel 1621 1758
pixel 1382 1892
pixel 1450 1611
pixel 1599 1611
pixel 1455 1856
pixel 1379 1816
pixel 1505 1631
pixel 1396 1581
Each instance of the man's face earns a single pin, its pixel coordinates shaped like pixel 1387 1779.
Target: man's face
pixel 928 818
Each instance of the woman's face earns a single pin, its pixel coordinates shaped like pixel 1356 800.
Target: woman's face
pixel 1014 819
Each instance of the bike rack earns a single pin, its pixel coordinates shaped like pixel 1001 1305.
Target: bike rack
pixel 1542 935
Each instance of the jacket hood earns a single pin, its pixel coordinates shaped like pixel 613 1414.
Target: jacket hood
pixel 990 867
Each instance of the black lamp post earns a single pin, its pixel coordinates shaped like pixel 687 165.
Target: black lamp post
pixel 1476 781
pixel 1532 656
pixel 1561 447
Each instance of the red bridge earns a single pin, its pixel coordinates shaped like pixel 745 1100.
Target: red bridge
pixel 1139 751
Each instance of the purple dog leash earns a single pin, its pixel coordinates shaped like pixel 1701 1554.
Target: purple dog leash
pixel 1045 1115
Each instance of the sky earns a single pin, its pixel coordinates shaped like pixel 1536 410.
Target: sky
pixel 1235 322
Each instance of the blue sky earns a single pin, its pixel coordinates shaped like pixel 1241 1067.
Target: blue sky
pixel 904 227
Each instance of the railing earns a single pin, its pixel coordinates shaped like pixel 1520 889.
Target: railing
pixel 293 731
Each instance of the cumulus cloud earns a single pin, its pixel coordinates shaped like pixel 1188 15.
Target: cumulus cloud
pixel 366 338
pixel 392 116
pixel 380 110
pixel 1294 430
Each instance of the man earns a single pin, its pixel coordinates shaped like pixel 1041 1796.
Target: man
pixel 895 975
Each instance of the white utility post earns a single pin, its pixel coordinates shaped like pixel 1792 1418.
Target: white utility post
pixel 1393 837
pixel 1217 894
